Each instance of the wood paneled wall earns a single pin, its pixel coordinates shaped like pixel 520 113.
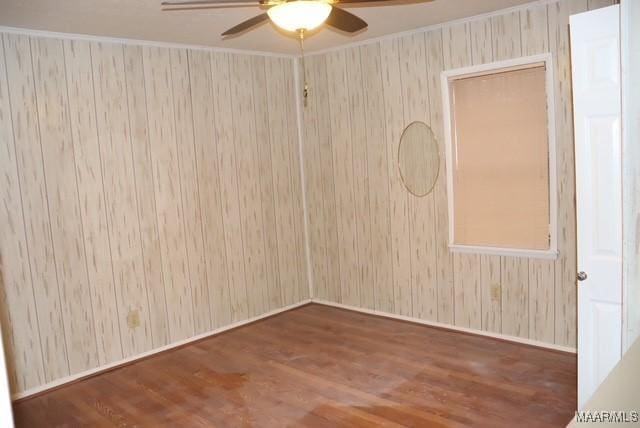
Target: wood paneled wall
pixel 148 195
pixel 151 194
pixel 373 244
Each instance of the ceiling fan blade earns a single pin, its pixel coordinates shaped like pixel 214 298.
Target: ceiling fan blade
pixel 249 23
pixel 391 2
pixel 345 21
pixel 205 4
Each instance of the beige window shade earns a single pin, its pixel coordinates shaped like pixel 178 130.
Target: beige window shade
pixel 501 160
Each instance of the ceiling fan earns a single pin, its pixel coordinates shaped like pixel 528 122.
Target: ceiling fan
pixel 295 16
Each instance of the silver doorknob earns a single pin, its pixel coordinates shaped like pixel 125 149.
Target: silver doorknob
pixel 581 276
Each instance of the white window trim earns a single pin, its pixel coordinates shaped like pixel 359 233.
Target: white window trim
pixel 447 77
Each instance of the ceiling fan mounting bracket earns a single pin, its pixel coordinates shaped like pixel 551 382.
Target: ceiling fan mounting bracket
pixel 308 13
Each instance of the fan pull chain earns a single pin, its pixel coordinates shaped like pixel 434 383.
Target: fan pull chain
pixel 305 90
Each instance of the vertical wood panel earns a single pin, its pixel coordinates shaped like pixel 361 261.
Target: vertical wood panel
pixel 32 184
pixel 466 267
pixel 505 31
pixel 300 256
pixel 18 314
pixel 343 169
pixel 190 191
pixel 481 41
pixel 468 299
pixel 315 204
pixel 248 186
pixel 401 250
pixel 490 279
pixel 534 30
pixel 64 210
pixel 166 172
pixel 120 196
pixel 515 294
pixel 208 176
pixel 145 192
pixel 287 250
pixel 415 95
pixel 541 298
pixel 456 44
pixel 325 147
pixel 444 259
pixel 361 188
pixel 378 170
pixel 221 96
pixel 265 172
pixel 84 134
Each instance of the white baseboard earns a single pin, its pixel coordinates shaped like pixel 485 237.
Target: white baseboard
pixel 448 326
pixel 74 377
pixel 59 382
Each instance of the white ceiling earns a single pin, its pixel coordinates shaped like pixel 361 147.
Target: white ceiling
pixel 143 20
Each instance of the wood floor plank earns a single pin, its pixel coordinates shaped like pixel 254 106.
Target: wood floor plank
pixel 318 366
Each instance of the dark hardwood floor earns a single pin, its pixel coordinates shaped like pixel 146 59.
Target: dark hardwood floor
pixel 318 366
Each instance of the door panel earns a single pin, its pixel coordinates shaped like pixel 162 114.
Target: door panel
pixel 595 46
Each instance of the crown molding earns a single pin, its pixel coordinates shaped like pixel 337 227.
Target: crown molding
pixel 137 42
pixel 434 27
pixel 391 36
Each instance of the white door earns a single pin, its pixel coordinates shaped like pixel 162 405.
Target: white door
pixel 6 419
pixel 595 54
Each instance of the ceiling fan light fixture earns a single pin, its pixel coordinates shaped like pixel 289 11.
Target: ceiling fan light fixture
pixel 300 14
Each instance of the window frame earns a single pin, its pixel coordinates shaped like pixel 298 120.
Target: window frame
pixel 449 76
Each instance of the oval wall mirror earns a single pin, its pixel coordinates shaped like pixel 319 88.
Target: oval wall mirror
pixel 418 159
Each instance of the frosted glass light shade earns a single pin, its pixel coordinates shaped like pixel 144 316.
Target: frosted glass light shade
pixel 300 15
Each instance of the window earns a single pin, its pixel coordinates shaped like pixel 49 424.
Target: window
pixel 500 157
